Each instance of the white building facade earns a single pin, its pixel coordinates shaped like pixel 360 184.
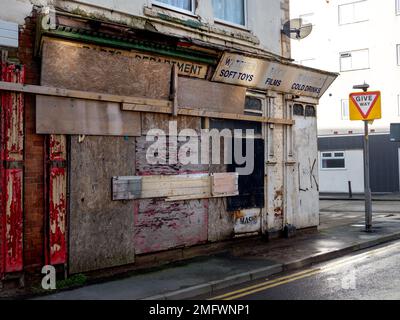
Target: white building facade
pixel 358 39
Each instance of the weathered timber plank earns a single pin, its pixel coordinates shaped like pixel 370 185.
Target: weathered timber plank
pixel 225 184
pixel 211 96
pixel 136 104
pixel 56 115
pixel 141 102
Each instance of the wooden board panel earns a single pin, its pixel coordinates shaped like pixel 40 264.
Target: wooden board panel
pixel 161 225
pixel 67 66
pixel 100 230
pixel 176 186
pixel 211 96
pixel 56 115
pixel 225 184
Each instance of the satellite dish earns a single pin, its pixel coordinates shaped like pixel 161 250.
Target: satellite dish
pixel 295 29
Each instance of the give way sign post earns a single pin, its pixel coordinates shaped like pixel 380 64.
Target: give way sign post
pixel 366 106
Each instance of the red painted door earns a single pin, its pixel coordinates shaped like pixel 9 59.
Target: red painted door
pixel 11 172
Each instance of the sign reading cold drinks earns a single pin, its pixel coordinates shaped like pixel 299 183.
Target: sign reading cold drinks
pixel 263 74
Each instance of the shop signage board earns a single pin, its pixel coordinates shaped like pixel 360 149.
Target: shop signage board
pixel 268 75
pixel 185 68
pixel 365 106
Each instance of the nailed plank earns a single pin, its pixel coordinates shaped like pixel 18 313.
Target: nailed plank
pixel 225 184
pixel 141 102
pixel 56 115
pixel 173 186
pixel 206 114
pixel 211 96
pixel 136 104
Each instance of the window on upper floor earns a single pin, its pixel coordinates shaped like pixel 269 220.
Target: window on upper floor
pixel 354 60
pixel 353 12
pixel 398 7
pixel 230 11
pixel 345 109
pixel 333 160
pixel 179 5
pixel 398 105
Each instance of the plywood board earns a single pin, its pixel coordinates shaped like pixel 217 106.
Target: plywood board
pixel 210 96
pixel 70 67
pixel 101 230
pixel 225 184
pixel 161 225
pixel 56 115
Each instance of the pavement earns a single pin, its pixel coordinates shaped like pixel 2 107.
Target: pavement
pixel 360 196
pixel 341 233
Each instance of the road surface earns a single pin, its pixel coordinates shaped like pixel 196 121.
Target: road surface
pixel 370 274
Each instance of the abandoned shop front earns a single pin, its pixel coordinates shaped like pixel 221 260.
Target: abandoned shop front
pixel 152 145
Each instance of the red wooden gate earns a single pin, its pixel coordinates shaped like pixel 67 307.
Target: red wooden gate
pixel 11 172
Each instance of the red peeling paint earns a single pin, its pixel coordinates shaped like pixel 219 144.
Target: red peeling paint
pixel 11 172
pixel 58 206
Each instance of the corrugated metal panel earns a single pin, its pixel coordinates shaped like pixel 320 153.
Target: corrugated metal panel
pixel 11 214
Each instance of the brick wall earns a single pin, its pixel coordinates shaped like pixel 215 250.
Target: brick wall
pixel 34 155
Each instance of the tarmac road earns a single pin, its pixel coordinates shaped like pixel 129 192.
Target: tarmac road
pixel 371 274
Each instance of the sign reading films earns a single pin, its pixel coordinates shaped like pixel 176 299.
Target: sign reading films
pixel 263 74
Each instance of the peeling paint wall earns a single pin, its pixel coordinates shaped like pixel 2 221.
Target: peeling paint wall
pixel 275 170
pixel 305 140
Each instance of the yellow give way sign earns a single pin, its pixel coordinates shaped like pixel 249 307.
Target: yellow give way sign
pixel 365 106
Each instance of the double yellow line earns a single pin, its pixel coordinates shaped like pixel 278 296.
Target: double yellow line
pixel 300 275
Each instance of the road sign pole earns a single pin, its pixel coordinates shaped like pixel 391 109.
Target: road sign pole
pixel 367 186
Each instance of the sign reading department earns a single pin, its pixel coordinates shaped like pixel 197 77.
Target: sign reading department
pixel 263 74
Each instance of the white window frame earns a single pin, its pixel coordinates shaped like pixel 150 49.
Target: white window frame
pixel 345 114
pixel 351 51
pixel 398 104
pixel 332 157
pixel 397 7
pixel 177 9
pixel 232 24
pixel 398 52
pixel 347 4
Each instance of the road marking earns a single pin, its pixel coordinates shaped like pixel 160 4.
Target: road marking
pixel 301 275
pixel 262 284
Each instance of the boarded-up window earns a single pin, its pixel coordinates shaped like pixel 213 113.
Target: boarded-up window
pixel 251 187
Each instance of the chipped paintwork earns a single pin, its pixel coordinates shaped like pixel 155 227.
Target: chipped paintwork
pixel 13 220
pixel 11 172
pixel 57 210
pixel 161 225
pixel 58 150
